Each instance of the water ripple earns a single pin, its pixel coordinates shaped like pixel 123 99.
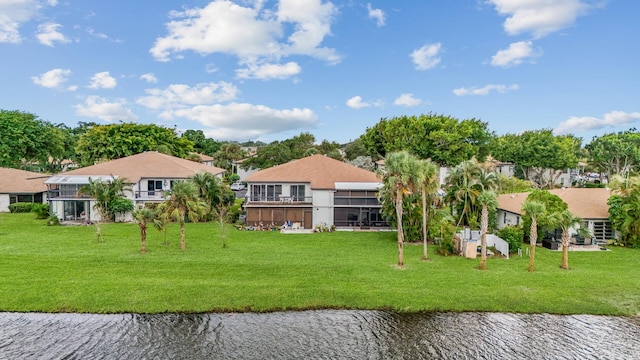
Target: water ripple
pixel 318 335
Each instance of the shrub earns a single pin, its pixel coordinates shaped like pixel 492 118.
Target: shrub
pixel 446 247
pixel 21 207
pixel 53 221
pixel 512 235
pixel 41 211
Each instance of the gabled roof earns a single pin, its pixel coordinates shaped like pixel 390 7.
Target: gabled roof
pixel 322 172
pixel 585 203
pixel 20 181
pixel 150 164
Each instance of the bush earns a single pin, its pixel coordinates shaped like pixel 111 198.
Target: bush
pixel 512 235
pixel 41 211
pixel 53 221
pixel 446 247
pixel 21 207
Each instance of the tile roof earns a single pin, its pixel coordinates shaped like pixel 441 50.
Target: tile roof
pixel 583 202
pixel 20 181
pixel 150 164
pixel 322 172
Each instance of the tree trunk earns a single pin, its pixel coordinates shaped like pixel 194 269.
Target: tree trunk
pixel 533 238
pixel 400 230
pixel 182 245
pixel 143 238
pixel 425 254
pixel 565 249
pixel 484 225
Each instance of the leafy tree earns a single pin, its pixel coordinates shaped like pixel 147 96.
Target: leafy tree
pixel 511 184
pixel 119 206
pixel 552 203
pixel 397 178
pixel 144 217
pixel 277 152
pixel 108 142
pixel 201 144
pixel 488 199
pixel 624 209
pixel 443 139
pixel 183 202
pixel 363 162
pixel 538 155
pixel 615 153
pixel 355 149
pixel 534 210
pixel 565 220
pixel 27 139
pixel 228 153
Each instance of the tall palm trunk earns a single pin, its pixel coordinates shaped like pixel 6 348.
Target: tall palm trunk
pixel 565 249
pixel 425 255
pixel 182 244
pixel 400 230
pixel 533 238
pixel 484 225
pixel 143 238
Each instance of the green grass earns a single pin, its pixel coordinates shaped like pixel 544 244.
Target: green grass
pixel 64 269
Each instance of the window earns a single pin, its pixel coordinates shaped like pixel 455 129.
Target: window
pixel 297 192
pixel 266 192
pixel 153 186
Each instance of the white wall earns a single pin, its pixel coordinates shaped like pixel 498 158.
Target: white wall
pixel 323 207
pixel 511 219
pixel 4 202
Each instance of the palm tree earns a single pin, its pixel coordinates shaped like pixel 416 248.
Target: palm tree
pixel 426 179
pixel 184 201
pixel 489 202
pixel 399 168
pixel 535 210
pixel 103 193
pixel 144 216
pixel 565 220
pixel 463 187
pixel 210 188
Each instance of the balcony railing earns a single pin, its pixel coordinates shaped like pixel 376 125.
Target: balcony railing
pixel 280 199
pixel 151 195
pixel 67 194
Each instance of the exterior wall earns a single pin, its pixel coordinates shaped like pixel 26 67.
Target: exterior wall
pixel 506 218
pixel 323 207
pixel 4 202
pixel 243 174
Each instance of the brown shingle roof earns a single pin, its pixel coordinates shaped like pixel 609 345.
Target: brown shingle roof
pixel 150 164
pixel 320 171
pixel 20 181
pixel 583 202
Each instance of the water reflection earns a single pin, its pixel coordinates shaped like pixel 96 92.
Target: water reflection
pixel 318 335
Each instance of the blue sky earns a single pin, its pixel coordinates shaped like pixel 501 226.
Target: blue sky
pixel 268 70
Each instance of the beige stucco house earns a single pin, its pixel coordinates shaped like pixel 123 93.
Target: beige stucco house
pixel 149 174
pixel 21 186
pixel 315 190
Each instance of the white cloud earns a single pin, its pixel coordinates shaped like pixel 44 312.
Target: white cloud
pixel 48 33
pixel 515 54
pixel 14 13
pixel 180 95
pixel 500 88
pixel 586 123
pixel 376 14
pixel 357 103
pixel 101 108
pixel 407 100
pixel 427 56
pixel 149 77
pixel 103 80
pixel 269 71
pixel 241 121
pixel 538 17
pixel 253 34
pixel 52 79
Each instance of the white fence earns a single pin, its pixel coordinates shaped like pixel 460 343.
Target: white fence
pixel 492 240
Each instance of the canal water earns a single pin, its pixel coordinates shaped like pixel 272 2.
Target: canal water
pixel 322 334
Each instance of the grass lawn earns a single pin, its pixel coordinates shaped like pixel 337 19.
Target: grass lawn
pixel 64 269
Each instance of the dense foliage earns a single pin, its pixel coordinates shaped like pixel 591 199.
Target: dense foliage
pixel 615 153
pixel 443 139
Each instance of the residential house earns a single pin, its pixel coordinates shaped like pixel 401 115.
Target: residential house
pixel 315 190
pixel 242 173
pixel 149 174
pixel 588 204
pixel 21 186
